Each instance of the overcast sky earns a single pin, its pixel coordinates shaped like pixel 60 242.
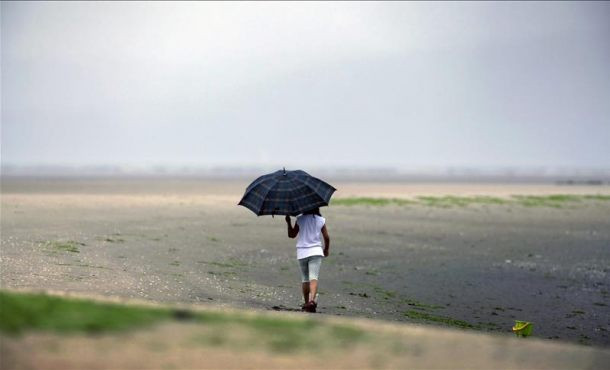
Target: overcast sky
pixel 306 84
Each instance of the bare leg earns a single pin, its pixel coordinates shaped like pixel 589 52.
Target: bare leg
pixel 314 290
pixel 306 292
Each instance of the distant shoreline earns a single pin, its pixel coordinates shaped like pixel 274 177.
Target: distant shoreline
pixel 559 175
pixel 564 181
pixel 231 189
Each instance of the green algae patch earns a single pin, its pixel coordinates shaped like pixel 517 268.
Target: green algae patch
pixel 421 306
pixel 418 315
pixel 452 201
pixel 600 197
pixel 555 201
pixel 457 201
pixel 64 246
pixel 366 201
pixel 230 263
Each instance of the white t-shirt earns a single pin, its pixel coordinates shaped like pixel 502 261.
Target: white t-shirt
pixel 309 242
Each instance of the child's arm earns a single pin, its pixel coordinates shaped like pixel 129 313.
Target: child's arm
pixel 326 241
pixel 292 231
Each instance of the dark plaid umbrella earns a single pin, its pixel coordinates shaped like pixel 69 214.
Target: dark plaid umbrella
pixel 286 193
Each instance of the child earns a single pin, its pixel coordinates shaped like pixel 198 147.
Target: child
pixel 309 226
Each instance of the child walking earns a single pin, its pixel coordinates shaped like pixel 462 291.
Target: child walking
pixel 310 227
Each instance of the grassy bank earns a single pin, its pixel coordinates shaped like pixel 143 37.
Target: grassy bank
pixel 40 331
pixel 24 312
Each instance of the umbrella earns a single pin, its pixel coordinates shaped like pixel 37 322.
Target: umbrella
pixel 286 193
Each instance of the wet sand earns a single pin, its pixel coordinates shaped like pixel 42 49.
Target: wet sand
pixel 185 240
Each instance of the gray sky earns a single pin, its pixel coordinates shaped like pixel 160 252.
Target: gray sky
pixel 306 84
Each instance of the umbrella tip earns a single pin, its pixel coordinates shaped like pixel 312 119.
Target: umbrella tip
pixel 284 171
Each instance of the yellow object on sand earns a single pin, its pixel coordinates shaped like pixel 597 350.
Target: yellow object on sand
pixel 523 328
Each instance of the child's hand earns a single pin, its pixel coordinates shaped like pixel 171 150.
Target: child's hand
pixel 326 252
pixel 287 218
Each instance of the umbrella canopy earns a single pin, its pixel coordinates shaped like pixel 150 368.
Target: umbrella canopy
pixel 286 193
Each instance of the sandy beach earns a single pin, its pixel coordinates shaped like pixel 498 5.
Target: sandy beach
pixel 477 267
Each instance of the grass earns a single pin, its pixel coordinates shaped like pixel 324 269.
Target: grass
pixel 417 315
pixel 22 312
pixel 449 201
